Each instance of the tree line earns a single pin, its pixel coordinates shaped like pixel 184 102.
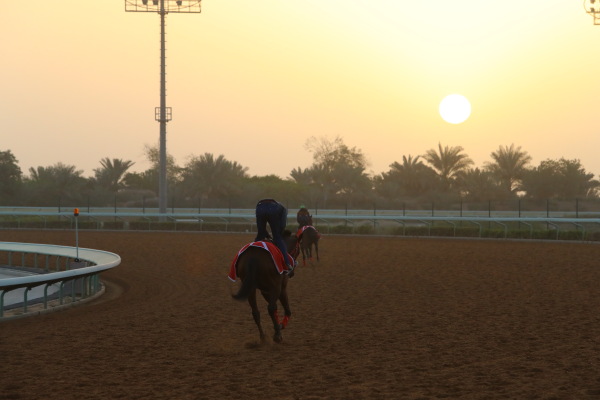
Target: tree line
pixel 337 178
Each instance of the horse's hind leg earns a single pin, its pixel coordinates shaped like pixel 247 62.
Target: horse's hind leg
pixel 271 298
pixel 256 315
pixel 272 308
pixel 317 249
pixel 283 298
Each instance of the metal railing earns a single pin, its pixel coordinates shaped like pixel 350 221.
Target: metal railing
pixel 76 271
pixel 329 221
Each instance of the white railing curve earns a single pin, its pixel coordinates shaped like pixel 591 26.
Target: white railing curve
pixel 80 266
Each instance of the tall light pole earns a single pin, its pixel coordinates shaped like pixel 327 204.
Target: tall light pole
pixel 592 7
pixel 163 113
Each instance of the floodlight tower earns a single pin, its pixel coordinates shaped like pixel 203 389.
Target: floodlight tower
pixel 593 8
pixel 163 113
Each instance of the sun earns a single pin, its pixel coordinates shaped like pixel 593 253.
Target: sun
pixel 455 108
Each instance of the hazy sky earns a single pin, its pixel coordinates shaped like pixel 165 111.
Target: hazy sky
pixel 253 80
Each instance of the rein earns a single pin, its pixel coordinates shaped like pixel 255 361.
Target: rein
pixel 296 251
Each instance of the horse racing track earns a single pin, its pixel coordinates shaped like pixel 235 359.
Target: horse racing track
pixel 378 318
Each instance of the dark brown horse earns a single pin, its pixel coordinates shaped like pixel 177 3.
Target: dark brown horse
pixel 309 238
pixel 256 269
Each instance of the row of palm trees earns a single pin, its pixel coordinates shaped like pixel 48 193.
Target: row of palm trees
pixel 338 177
pixel 508 174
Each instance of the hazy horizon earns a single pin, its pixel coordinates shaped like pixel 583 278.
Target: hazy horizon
pixel 253 81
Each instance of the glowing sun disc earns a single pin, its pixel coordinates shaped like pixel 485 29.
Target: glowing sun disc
pixel 455 108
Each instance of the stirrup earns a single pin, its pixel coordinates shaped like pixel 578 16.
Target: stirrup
pixel 289 270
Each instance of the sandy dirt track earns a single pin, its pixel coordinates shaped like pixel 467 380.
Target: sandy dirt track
pixel 378 318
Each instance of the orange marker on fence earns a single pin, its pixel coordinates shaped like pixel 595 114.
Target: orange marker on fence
pixel 76 214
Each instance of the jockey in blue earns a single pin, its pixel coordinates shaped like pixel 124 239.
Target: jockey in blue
pixel 274 213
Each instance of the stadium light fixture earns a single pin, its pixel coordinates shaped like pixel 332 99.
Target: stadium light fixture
pixel 163 113
pixel 593 10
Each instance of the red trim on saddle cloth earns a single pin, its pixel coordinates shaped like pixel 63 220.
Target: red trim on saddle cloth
pixel 268 246
pixel 305 227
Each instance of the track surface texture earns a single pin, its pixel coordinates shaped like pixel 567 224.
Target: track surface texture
pixel 377 318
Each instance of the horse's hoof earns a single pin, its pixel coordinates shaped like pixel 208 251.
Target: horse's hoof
pixel 278 338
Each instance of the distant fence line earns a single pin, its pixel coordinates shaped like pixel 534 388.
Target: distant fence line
pixel 575 212
pixel 520 224
pixel 142 202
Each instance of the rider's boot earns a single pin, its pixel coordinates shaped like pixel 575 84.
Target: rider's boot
pixel 290 269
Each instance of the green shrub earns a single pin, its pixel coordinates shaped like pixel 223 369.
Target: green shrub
pixel 113 225
pixel 417 231
pixel 188 226
pixel 140 225
pixel 519 233
pixel 364 229
pixel 341 229
pixel 442 231
pixel 467 232
pixel 544 234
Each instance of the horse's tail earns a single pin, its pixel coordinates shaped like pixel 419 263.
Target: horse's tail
pixel 249 282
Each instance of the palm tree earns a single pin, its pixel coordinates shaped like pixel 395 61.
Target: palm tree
pixel 449 163
pixel 111 175
pixel 412 177
pixel 479 185
pixel 301 176
pixel 209 177
pixel 59 181
pixel 409 164
pixel 10 175
pixel 508 166
pixel 320 181
pixel 306 179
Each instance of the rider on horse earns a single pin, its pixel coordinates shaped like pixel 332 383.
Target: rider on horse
pixel 274 213
pixel 303 217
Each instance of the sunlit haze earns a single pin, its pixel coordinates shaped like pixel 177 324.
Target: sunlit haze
pixel 253 80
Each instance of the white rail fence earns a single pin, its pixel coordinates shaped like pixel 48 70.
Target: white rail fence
pixel 581 226
pixel 74 273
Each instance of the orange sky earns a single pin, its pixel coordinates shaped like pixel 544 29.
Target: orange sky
pixel 254 80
